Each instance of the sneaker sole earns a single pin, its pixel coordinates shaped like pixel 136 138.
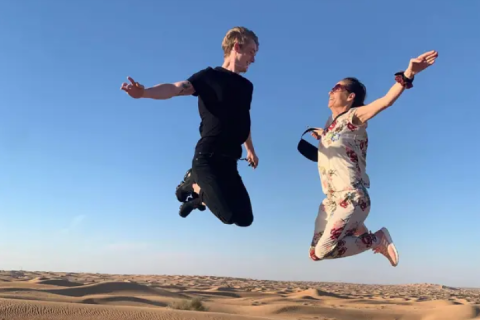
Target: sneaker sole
pixel 187 213
pixel 392 245
pixel 183 213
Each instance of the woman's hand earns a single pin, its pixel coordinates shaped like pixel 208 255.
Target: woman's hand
pixel 317 133
pixel 420 63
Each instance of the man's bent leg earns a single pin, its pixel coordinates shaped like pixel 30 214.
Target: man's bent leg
pixel 222 189
pixel 239 200
pixel 208 173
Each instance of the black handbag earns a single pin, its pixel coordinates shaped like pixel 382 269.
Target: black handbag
pixel 308 150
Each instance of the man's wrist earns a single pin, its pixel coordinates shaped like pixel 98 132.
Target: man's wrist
pixel 145 93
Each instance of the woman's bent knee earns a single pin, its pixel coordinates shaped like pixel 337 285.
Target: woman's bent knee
pixel 320 252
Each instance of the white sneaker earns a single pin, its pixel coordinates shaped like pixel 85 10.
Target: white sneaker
pixel 386 246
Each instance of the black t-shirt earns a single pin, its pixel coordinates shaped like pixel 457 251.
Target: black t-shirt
pixel 224 99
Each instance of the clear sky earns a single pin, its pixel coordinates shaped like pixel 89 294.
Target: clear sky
pixel 87 174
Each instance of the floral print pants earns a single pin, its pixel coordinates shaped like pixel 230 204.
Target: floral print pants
pixel 339 217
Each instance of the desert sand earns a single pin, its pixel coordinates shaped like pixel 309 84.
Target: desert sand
pixel 81 296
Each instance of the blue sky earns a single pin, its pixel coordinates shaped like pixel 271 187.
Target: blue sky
pixel 87 174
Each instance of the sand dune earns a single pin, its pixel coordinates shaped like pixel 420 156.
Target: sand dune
pixel 34 310
pixel 55 282
pixel 314 294
pixel 76 296
pixel 114 288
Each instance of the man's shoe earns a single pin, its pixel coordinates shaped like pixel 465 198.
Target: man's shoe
pixel 187 207
pixel 185 188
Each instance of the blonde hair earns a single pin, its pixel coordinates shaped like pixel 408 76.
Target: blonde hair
pixel 240 35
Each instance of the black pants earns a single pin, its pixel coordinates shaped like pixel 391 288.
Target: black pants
pixel 222 188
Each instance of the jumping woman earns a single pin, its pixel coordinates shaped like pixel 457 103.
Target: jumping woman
pixel 339 227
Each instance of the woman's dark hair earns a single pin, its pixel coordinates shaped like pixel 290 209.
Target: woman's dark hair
pixel 355 86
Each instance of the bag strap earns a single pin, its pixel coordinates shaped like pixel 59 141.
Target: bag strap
pixel 308 150
pixel 307 131
pixel 311 129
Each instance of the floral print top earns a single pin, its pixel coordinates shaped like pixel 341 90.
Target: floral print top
pixel 342 153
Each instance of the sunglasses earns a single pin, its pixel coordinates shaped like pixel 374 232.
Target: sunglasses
pixel 339 87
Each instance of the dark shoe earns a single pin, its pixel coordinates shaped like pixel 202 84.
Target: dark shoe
pixel 185 188
pixel 187 207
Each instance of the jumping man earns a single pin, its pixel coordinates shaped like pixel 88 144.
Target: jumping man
pixel 224 99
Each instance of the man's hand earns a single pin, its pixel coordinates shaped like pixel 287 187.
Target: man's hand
pixel 134 89
pixel 252 159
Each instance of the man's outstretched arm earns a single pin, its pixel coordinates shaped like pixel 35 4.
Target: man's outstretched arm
pixel 169 90
pixel 161 91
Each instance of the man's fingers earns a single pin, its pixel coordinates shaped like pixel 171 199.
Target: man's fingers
pixel 125 87
pixel 252 163
pixel 136 84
